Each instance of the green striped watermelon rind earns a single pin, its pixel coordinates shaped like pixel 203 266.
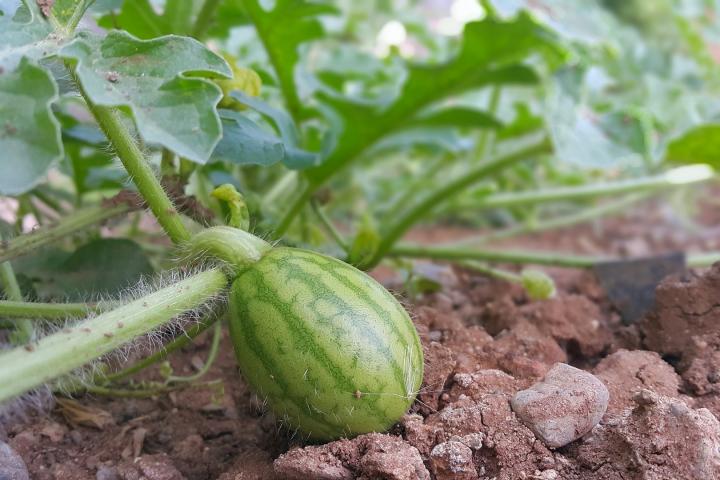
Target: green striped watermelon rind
pixel 332 352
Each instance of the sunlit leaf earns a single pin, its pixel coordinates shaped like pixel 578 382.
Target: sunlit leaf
pixel 698 145
pixel 575 131
pixel 29 133
pixel 151 79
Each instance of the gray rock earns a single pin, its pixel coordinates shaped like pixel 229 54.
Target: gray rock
pixel 563 407
pixel 12 466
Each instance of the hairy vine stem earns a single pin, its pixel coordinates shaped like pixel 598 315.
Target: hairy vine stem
pixel 139 170
pixel 71 348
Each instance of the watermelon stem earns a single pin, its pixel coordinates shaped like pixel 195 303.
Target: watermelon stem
pixel 236 248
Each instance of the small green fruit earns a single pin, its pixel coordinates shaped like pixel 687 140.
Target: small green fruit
pixel 332 352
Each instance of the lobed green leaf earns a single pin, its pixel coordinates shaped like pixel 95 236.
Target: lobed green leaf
pixel 492 52
pixel 159 82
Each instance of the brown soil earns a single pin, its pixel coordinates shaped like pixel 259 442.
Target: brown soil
pixel 484 342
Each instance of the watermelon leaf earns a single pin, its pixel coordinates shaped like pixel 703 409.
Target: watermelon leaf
pixel 492 52
pixel 151 79
pixel 697 145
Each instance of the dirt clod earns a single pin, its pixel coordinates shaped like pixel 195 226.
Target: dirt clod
pixel 107 473
pixel 625 372
pixel 660 438
pixel 440 362
pixel 562 407
pixel 573 321
pixel 685 324
pixel 371 456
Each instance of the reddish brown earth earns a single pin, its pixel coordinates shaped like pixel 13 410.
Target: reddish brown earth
pixel 484 342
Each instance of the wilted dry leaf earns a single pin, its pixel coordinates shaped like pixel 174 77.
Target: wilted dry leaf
pixel 78 414
pixel 138 439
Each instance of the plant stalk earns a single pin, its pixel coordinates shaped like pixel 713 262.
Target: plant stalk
pixel 212 355
pixel 23 326
pixel 62 352
pixel 147 392
pixel 517 256
pixel 487 137
pixel 160 355
pixel 699 260
pixel 489 271
pixel 552 223
pixel 551 259
pixel 443 193
pixel 49 201
pixel 583 192
pixel 74 222
pixel 49 311
pixel 329 227
pixel 297 204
